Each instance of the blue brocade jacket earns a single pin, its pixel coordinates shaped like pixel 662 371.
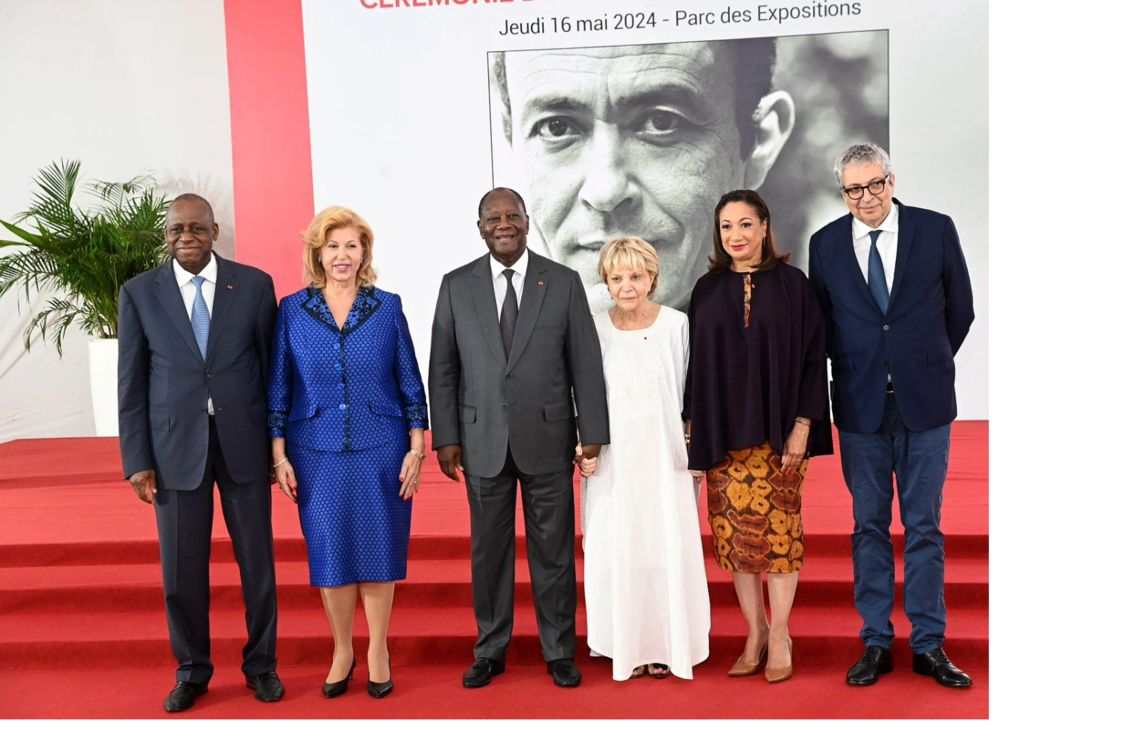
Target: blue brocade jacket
pixel 342 389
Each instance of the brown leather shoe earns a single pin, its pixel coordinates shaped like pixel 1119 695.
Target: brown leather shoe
pixel 741 669
pixel 776 675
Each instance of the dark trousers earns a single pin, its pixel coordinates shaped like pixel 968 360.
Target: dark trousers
pixel 185 522
pixel 548 511
pixel 918 461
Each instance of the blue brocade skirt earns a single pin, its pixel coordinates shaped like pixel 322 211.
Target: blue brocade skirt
pixel 356 526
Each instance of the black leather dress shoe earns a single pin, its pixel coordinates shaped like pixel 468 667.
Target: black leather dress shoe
pixel 267 685
pixel 480 673
pixel 183 695
pixel 565 673
pixel 935 663
pixel 875 662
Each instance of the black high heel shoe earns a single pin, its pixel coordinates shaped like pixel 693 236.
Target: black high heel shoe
pixel 333 690
pixel 380 690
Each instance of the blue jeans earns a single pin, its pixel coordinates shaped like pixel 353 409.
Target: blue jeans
pixel 918 462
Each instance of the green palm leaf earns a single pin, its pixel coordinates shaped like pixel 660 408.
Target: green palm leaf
pixel 85 255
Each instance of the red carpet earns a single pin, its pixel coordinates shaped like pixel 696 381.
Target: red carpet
pixel 81 596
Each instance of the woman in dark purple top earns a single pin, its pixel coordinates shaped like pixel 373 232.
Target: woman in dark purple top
pixel 756 409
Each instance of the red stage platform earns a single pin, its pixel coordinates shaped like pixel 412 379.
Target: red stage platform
pixel 81 603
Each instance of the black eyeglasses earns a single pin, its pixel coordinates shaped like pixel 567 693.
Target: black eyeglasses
pixel 875 186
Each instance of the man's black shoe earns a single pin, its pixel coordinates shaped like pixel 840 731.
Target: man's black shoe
pixel 267 685
pixel 183 695
pixel 480 673
pixel 935 663
pixel 875 662
pixel 565 673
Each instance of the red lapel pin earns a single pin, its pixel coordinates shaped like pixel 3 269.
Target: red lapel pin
pixel 540 282
pixel 229 287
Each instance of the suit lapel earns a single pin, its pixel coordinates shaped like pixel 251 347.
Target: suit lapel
pixel 534 290
pixel 483 295
pixel 170 297
pixel 904 246
pixel 851 263
pixel 224 293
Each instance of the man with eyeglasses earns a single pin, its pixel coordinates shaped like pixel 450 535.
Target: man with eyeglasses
pixel 893 285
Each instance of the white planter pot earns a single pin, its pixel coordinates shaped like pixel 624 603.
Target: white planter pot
pixel 103 367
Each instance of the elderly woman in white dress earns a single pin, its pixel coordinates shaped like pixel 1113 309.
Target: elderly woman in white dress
pixel 647 599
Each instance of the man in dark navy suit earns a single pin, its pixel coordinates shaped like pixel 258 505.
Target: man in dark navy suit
pixel 194 339
pixel 894 288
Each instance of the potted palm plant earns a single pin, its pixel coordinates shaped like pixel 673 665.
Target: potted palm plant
pixel 83 255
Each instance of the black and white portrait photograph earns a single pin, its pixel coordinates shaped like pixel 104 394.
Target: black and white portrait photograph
pixel 616 141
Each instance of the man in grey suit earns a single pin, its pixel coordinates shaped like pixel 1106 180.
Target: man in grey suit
pixel 194 340
pixel 514 353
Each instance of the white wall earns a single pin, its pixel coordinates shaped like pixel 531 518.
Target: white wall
pixel 126 87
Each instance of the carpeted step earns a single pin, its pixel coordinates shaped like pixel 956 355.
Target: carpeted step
pixel 522 692
pixel 426 547
pixel 824 636
pixel 125 588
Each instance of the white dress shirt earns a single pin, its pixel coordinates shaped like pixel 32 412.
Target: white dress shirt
pixel 887 243
pixel 210 272
pixel 500 281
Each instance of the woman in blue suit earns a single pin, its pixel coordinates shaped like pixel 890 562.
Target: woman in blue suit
pixel 347 416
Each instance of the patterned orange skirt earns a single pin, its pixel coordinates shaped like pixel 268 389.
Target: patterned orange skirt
pixel 754 511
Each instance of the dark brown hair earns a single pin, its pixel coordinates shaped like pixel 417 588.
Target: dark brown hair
pixel 770 255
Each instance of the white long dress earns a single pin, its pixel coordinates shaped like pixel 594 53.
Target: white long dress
pixel 647 597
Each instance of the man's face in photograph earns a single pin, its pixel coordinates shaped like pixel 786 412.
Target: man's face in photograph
pixel 634 141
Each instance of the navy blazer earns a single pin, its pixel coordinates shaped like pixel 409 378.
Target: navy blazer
pixel 164 383
pixel 930 311
pixel 344 388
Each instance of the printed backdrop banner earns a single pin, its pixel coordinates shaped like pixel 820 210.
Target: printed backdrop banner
pixel 620 118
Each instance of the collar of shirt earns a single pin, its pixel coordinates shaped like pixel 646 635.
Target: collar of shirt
pixel 890 223
pixel 519 267
pixel 210 272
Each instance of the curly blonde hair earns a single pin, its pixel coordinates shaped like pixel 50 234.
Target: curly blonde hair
pixel 317 235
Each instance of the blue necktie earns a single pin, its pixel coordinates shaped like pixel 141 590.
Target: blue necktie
pixel 200 315
pixel 876 275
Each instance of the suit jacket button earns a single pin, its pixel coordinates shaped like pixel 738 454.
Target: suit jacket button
pixel 882 363
pixel 886 327
pixel 504 405
pixel 210 376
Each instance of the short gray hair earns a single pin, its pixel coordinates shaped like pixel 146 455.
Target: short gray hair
pixel 865 153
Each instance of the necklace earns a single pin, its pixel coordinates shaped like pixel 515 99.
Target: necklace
pixel 747 297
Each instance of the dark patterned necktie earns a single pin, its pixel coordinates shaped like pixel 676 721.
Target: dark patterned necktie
pixel 876 275
pixel 510 315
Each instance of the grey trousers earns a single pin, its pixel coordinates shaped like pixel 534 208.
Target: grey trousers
pixel 548 511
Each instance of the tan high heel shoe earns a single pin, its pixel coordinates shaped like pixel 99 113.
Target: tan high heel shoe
pixel 740 668
pixel 776 675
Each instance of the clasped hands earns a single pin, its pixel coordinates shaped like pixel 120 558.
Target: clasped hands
pixel 586 458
